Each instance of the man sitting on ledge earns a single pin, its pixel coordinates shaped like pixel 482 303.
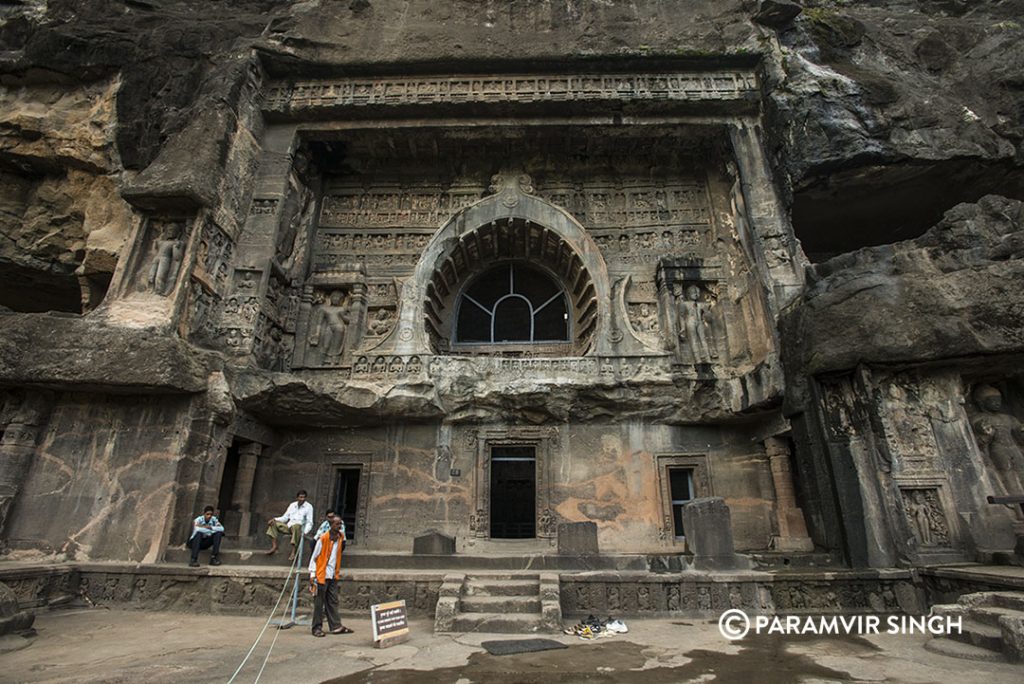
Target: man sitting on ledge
pixel 296 521
pixel 206 532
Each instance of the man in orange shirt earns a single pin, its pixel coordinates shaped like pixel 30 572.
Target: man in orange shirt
pixel 324 571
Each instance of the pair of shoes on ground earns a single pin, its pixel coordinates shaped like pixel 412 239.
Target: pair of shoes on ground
pixel 213 561
pixel 616 627
pixel 591 627
pixel 339 630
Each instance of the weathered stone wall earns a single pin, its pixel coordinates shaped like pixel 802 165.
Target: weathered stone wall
pixel 102 492
pixel 914 453
pixel 612 474
pixel 228 133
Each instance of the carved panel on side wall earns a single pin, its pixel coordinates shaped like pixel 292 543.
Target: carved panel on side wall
pixel 926 516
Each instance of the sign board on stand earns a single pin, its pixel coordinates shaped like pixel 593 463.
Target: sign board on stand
pixel 390 623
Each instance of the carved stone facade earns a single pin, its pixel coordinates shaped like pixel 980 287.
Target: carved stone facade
pixel 307 322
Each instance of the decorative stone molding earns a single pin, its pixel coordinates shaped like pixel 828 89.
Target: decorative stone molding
pixel 327 95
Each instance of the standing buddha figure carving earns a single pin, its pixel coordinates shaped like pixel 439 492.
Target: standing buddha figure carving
pixel 328 328
pixel 1001 437
pixel 695 324
pixel 170 249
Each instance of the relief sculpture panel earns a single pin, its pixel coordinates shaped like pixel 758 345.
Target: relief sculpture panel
pixel 1000 437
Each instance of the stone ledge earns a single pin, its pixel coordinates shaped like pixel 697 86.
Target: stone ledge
pixel 83 353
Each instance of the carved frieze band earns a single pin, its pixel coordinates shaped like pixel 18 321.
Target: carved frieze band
pixel 675 202
pixel 392 91
pixel 576 369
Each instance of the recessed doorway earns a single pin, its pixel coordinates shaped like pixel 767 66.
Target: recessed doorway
pixel 346 499
pixel 513 492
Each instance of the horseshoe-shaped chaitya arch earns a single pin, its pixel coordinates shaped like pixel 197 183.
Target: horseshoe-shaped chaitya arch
pixel 515 226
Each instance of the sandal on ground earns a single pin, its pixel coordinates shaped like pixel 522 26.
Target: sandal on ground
pixel 318 633
pixel 341 630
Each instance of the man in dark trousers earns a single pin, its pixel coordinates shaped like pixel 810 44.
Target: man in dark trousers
pixel 324 571
pixel 206 533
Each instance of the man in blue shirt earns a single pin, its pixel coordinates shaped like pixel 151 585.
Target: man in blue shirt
pixel 325 526
pixel 206 532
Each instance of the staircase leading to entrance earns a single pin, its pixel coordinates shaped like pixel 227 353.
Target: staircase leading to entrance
pixel 992 627
pixel 506 603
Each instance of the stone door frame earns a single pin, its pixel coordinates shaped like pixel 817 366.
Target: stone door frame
pixel 538 438
pixel 326 480
pixel 702 487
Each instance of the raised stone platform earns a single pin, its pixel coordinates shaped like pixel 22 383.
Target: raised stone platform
pixel 947 583
pixel 247 589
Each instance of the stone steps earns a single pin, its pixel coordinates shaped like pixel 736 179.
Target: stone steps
pixel 499 586
pixel 1009 599
pixel 990 615
pixel 992 627
pixel 512 623
pixel 500 604
pixel 958 649
pixel 981 635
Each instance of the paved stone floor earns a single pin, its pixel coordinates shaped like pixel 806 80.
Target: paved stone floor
pixel 99 645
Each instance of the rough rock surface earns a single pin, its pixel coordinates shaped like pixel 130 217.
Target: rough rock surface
pixel 954 292
pixel 84 353
pixel 914 105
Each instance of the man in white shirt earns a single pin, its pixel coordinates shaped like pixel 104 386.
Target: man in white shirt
pixel 296 521
pixel 324 573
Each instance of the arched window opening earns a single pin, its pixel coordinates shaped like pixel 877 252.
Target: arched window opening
pixel 512 304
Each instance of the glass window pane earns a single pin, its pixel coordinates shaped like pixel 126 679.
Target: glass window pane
pixel 551 324
pixel 474 325
pixel 512 320
pixel 680 480
pixel 491 286
pixel 677 520
pixel 534 284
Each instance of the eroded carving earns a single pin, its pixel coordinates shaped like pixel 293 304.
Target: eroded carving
pixel 926 517
pixel 168 253
pixel 1000 437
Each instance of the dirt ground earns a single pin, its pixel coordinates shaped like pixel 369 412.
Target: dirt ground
pixel 99 645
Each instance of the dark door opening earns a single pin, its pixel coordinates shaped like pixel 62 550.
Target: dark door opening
pixel 681 485
pixel 513 493
pixel 224 503
pixel 346 498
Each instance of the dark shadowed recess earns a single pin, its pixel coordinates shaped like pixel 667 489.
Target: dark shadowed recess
pixel 28 290
pixel 878 205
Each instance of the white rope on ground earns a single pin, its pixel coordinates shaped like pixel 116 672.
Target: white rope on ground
pixel 274 641
pixel 292 570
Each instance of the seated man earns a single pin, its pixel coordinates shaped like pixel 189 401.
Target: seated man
pixel 296 521
pixel 206 532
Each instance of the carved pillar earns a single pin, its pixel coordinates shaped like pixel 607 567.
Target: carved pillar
pixel 249 317
pixel 790 518
pixel 17 447
pixel 778 254
pixel 241 498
